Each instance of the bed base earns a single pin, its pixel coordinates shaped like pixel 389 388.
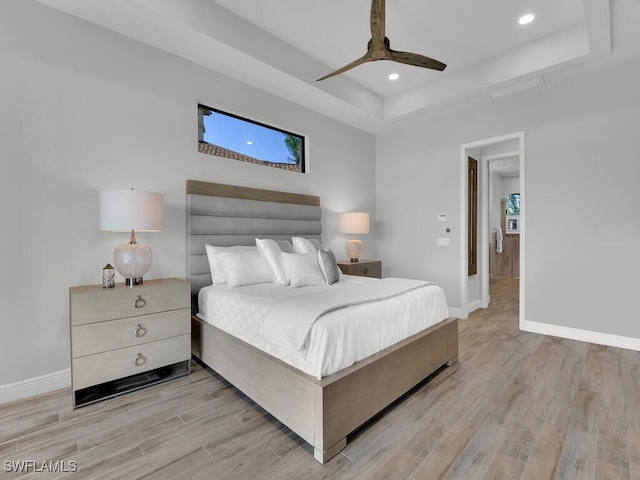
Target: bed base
pixel 323 412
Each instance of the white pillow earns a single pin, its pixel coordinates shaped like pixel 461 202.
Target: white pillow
pixel 328 266
pixel 215 257
pixel 246 268
pixel 303 245
pixel 270 250
pixel 302 269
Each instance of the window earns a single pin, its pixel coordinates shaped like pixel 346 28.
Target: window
pixel 512 211
pixel 513 204
pixel 230 136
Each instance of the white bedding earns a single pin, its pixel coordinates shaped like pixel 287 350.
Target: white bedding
pixel 338 338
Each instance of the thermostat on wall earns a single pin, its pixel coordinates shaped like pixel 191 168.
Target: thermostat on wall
pixel 442 217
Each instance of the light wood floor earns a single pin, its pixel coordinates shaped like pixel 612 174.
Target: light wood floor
pixel 516 405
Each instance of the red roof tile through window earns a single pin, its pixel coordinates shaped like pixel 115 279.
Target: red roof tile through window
pixel 212 149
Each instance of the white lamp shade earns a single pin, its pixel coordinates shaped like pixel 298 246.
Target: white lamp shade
pixel 354 222
pixel 126 210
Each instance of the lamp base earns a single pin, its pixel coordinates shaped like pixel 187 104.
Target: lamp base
pixel 132 260
pixel 354 249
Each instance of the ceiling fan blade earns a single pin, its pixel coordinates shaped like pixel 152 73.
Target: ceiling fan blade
pixel 379 47
pixel 360 61
pixel 377 20
pixel 416 60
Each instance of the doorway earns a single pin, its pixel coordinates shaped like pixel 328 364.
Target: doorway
pixel 497 149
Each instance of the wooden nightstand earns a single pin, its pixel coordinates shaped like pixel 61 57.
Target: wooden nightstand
pixel 363 268
pixel 125 338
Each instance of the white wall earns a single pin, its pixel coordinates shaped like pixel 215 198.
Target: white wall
pixel 498 185
pixel 510 185
pixel 84 109
pixel 582 165
pixel 495 194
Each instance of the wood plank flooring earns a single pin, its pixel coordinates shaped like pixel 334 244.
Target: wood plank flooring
pixel 516 405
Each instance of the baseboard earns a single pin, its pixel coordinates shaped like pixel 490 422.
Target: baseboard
pixel 456 313
pixel 475 305
pixel 581 335
pixel 35 386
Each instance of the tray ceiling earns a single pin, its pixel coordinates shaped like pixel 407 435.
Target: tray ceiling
pixel 283 46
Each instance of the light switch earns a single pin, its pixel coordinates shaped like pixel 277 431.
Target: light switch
pixel 443 242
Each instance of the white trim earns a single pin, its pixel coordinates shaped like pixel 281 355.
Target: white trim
pixel 581 335
pixel 499 156
pixel 475 305
pixel 456 313
pixel 522 227
pixel 484 191
pixel 464 252
pixel 35 386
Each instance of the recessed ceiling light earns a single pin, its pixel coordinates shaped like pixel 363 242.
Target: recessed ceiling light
pixel 394 76
pixel 528 18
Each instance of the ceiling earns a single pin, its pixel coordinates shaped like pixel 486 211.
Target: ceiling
pixel 336 32
pixel 508 166
pixel 283 46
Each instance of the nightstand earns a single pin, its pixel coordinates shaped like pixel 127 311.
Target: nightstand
pixel 126 338
pixel 363 268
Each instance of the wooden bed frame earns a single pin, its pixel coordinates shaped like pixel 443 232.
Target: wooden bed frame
pixel 322 412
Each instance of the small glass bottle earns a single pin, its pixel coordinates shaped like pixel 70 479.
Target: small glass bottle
pixel 108 276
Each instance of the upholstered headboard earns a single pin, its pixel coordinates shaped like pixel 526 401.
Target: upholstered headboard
pixel 225 215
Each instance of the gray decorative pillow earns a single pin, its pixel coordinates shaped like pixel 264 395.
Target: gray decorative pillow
pixel 316 243
pixel 285 246
pixel 328 266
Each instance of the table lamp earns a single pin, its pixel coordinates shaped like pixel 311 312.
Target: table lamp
pixel 354 223
pixel 130 211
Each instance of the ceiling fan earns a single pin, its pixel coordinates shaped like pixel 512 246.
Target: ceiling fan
pixel 379 48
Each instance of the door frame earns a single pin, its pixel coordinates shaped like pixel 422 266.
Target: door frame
pixel 483 223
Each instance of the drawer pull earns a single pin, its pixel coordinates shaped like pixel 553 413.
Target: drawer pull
pixel 139 302
pixel 140 331
pixel 366 270
pixel 140 360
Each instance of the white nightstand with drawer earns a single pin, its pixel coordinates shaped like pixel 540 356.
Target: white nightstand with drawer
pixel 126 338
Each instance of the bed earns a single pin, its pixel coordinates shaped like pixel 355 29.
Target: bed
pixel 322 411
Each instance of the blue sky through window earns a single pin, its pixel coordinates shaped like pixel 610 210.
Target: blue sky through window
pixel 242 136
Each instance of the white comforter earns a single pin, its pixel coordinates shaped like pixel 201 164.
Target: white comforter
pixel 337 338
